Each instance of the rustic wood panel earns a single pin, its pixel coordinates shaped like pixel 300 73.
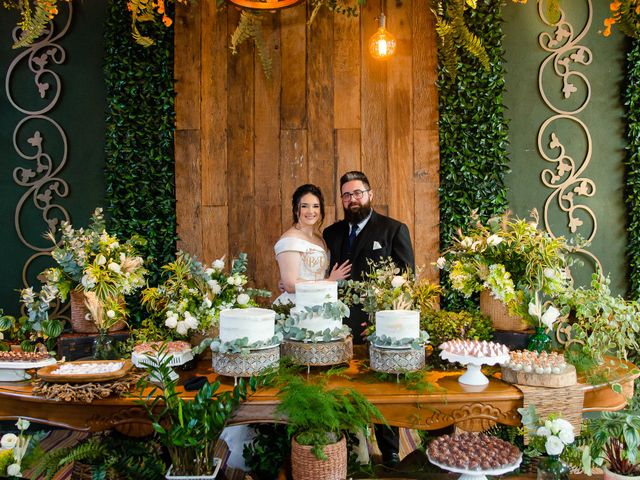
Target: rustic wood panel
pixel 213 105
pixel 400 116
pixel 240 148
pixel 294 68
pixel 373 100
pixel 346 72
pixel 188 181
pixel 244 143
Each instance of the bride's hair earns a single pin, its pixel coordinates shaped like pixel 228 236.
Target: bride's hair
pixel 300 192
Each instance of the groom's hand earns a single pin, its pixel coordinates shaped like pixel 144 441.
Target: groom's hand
pixel 340 272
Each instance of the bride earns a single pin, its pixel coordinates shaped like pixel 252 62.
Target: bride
pixel 301 252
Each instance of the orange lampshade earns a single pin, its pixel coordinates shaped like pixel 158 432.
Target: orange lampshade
pixel 382 44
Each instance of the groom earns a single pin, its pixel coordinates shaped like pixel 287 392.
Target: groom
pixel 367 235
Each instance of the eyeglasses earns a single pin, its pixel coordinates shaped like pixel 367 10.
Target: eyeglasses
pixel 357 194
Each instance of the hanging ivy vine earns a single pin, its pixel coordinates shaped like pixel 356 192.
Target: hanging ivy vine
pixel 632 180
pixel 140 122
pixel 473 135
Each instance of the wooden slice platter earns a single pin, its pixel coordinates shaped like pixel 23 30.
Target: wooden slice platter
pixel 47 375
pixel 550 380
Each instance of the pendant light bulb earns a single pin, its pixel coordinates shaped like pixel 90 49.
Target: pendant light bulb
pixel 382 44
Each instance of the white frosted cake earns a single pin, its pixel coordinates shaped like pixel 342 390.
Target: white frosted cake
pixel 257 324
pixel 311 294
pixel 398 324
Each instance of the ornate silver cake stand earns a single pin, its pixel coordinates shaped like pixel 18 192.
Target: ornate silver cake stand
pixel 319 354
pixel 396 359
pixel 245 364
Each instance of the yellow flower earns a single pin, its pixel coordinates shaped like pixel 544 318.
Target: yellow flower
pixel 472 3
pixel 608 22
pixel 167 21
pixel 615 6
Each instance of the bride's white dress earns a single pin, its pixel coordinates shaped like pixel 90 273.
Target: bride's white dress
pixel 313 262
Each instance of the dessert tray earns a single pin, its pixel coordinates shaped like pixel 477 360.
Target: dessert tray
pixel 114 369
pixel 17 371
pixel 477 474
pixel 145 355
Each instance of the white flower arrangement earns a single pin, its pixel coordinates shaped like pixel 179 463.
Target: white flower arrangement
pixel 13 449
pixel 550 436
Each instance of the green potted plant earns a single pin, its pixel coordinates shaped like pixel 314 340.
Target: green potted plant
pixel 317 419
pixel 510 261
pixel 190 429
pixel 614 445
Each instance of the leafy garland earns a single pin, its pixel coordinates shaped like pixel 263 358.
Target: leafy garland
pixel 632 180
pixel 473 136
pixel 140 122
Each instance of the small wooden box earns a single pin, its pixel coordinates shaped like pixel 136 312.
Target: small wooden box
pixel 74 346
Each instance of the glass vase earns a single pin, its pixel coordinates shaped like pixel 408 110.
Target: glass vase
pixel 552 468
pixel 104 347
pixel 540 342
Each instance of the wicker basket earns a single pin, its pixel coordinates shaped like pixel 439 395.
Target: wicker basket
pixel 305 465
pixel 79 322
pixel 500 316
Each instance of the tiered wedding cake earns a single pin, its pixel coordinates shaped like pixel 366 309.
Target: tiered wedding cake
pixel 254 324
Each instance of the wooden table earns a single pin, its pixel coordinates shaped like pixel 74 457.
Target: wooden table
pixel 471 408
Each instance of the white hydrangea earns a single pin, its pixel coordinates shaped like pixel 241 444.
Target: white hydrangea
pixel 243 299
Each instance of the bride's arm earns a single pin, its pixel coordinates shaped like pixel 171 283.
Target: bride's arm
pixel 289 264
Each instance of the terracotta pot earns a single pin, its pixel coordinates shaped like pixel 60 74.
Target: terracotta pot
pixel 608 475
pixel 305 465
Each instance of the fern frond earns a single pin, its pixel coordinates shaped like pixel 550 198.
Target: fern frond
pixel 34 21
pixel 139 38
pixel 250 27
pixel 474 46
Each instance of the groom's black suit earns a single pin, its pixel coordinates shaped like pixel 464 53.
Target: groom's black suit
pixel 381 237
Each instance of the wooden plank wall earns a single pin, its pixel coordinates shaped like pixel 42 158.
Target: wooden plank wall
pixel 244 143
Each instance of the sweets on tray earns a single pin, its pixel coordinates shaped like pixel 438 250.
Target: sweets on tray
pixel 474 348
pixel 534 362
pixel 151 348
pixel 86 368
pixel 20 356
pixel 473 451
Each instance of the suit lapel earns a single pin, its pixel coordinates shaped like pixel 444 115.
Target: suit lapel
pixel 366 237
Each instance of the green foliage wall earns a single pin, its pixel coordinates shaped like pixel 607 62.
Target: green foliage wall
pixel 473 135
pixel 140 120
pixel 632 181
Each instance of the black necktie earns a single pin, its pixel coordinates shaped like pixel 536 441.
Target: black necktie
pixel 352 235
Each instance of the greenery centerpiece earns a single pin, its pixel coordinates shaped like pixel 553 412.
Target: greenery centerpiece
pixel 191 296
pixel 90 261
pixel 317 418
pixel 385 287
pixel 190 429
pixel 512 259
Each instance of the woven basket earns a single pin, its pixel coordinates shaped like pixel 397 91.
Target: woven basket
pixel 567 402
pixel 305 465
pixel 79 322
pixel 500 316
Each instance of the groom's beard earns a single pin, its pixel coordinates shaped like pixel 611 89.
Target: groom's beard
pixel 355 213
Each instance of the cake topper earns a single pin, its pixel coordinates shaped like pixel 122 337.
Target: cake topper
pixel 315 261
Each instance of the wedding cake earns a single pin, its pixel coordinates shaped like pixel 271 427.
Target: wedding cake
pixel 314 294
pixel 255 324
pixel 398 324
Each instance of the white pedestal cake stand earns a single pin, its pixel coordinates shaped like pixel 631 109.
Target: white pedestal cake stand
pixel 17 371
pixel 477 474
pixel 144 360
pixel 473 375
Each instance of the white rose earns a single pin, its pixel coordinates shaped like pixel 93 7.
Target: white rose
pixel 114 267
pixel 209 271
pixel 182 328
pixel 466 242
pixel 494 240
pixel 111 314
pixel 218 264
pixel 171 321
pixel 214 286
pixel 566 436
pixel 190 321
pixel 23 424
pixel 101 259
pixel 560 425
pixel 13 470
pixel 549 273
pixel 550 317
pixel 231 281
pixel 8 441
pixel 543 432
pixel 243 299
pixel 397 281
pixel 441 262
pixel 554 445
